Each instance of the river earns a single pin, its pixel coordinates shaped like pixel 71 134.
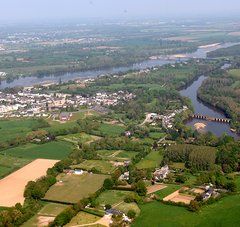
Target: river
pixel 33 80
pixel 201 108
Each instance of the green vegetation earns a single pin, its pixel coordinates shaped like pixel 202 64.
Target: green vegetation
pixel 194 157
pixel 111 130
pixel 152 160
pixel 52 150
pixel 49 210
pixel 116 155
pixel 226 52
pixel 101 166
pixel 113 197
pixel 168 190
pixel 126 207
pixel 10 164
pixel 78 138
pixel 221 90
pixel 156 135
pixel 11 129
pixel 52 209
pixel 73 188
pixel 83 218
pixel 225 212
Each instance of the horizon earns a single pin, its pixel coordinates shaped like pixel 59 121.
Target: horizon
pixel 27 11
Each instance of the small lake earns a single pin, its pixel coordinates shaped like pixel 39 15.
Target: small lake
pixel 201 108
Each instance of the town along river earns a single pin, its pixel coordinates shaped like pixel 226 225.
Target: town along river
pixel 203 109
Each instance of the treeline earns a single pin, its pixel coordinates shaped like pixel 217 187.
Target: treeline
pixel 194 157
pixel 228 156
pixel 222 93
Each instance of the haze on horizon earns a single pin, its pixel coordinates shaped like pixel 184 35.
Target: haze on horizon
pixel 32 10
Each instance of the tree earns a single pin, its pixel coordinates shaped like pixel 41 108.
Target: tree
pixel 108 184
pixel 180 179
pixel 131 214
pixel 140 188
pixel 194 206
pixel 108 206
pixel 231 186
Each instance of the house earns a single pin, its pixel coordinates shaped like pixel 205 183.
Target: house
pixel 113 212
pixel 209 191
pixel 65 116
pixel 78 172
pixel 127 163
pixel 124 176
pixel 128 133
pixel 162 173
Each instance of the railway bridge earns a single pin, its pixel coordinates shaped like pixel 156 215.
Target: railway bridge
pixel 207 118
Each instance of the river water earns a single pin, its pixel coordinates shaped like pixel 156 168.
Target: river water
pixel 201 108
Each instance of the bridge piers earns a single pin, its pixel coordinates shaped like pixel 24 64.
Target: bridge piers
pixel 208 118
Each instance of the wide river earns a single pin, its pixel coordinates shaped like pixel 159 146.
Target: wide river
pixel 32 80
pixel 191 92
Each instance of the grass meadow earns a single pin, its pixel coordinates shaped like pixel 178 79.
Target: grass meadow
pixel 73 188
pixel 52 150
pixel 225 212
pixel 152 160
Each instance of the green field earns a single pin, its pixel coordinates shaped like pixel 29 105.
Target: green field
pixel 156 135
pixel 225 212
pixel 116 155
pixel 72 188
pixel 102 166
pixel 125 207
pixel 53 150
pixel 111 130
pixel 48 210
pixel 83 218
pixel 235 73
pixel 113 197
pixel 152 160
pixel 10 129
pixel 10 164
pixel 52 209
pixel 168 190
pixel 79 138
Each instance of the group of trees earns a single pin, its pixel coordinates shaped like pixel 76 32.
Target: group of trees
pixel 222 91
pixel 194 157
pixel 218 179
pixel 228 156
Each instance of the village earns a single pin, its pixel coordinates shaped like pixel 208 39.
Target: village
pixel 33 102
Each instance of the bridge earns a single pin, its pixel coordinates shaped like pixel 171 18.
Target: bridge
pixel 207 118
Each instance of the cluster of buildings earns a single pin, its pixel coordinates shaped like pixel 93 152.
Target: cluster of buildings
pixel 33 102
pixel 167 119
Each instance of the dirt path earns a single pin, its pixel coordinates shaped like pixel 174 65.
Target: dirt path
pixel 114 154
pixel 155 188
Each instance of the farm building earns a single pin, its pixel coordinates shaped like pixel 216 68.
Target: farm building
pixel 162 173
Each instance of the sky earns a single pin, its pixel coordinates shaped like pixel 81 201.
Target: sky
pixel 27 10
